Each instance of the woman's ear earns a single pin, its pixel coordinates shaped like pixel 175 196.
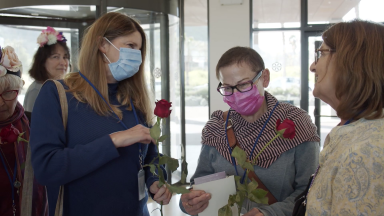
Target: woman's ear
pixel 104 46
pixel 266 77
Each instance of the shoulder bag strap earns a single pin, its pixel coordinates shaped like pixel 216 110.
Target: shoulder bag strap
pixel 64 112
pixel 251 175
pixel 230 133
pixel 63 102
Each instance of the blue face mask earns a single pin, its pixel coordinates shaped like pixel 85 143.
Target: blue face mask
pixel 128 64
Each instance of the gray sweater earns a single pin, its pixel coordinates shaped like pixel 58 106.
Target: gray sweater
pixel 286 178
pixel 31 96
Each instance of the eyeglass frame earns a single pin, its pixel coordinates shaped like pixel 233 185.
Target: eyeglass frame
pixel 17 93
pixel 322 50
pixel 235 87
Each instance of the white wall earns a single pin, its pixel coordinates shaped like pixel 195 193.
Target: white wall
pixel 228 27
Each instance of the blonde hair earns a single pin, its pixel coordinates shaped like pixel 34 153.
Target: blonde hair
pixel 359 68
pixel 10 82
pixel 92 65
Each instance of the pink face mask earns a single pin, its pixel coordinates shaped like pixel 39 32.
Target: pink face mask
pixel 245 103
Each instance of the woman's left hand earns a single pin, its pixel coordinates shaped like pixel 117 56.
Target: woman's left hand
pixel 161 194
pixel 254 212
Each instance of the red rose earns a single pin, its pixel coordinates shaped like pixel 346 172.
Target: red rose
pixel 286 129
pixel 162 108
pixel 9 134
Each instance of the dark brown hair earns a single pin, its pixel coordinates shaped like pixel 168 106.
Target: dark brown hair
pixel 38 70
pixel 239 55
pixel 359 68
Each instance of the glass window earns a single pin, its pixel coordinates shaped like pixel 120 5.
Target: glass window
pixel 276 14
pixel 196 79
pixel 152 63
pixel 323 12
pixel 174 92
pixel 280 51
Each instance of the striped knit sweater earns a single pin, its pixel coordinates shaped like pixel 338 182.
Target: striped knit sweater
pixel 246 133
pixel 284 168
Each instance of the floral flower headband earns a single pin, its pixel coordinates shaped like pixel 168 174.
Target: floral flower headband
pixel 50 36
pixel 9 62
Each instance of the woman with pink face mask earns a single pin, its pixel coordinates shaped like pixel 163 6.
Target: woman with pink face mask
pixel 282 168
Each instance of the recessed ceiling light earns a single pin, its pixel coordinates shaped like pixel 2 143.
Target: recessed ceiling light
pixel 52 7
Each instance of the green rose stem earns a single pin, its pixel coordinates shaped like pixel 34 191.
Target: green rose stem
pixel 279 133
pixel 156 138
pixel 257 156
pixel 243 190
pixel 249 190
pixel 248 170
pixel 162 112
pixel 20 139
pixel 158 166
pixel 161 208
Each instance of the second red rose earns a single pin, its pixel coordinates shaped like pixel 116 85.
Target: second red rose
pixel 288 126
pixel 9 134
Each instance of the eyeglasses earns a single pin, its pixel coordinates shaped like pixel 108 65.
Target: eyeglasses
pixel 318 53
pixel 241 87
pixel 9 95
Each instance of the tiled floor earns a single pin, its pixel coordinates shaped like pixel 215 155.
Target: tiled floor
pixel 172 209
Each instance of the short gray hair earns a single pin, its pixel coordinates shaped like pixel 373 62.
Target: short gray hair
pixel 10 82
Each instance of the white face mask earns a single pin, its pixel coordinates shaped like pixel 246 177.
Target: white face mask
pixel 128 64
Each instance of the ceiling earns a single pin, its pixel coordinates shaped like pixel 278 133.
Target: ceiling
pixel 67 11
pixel 265 11
pixel 288 11
pixel 278 11
pixel 195 13
pixel 329 10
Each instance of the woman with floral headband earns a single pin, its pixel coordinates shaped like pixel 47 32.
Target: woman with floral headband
pixel 51 61
pixel 98 158
pixel 13 122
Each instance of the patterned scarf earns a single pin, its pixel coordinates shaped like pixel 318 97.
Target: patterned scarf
pixel 246 133
pixel 39 199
